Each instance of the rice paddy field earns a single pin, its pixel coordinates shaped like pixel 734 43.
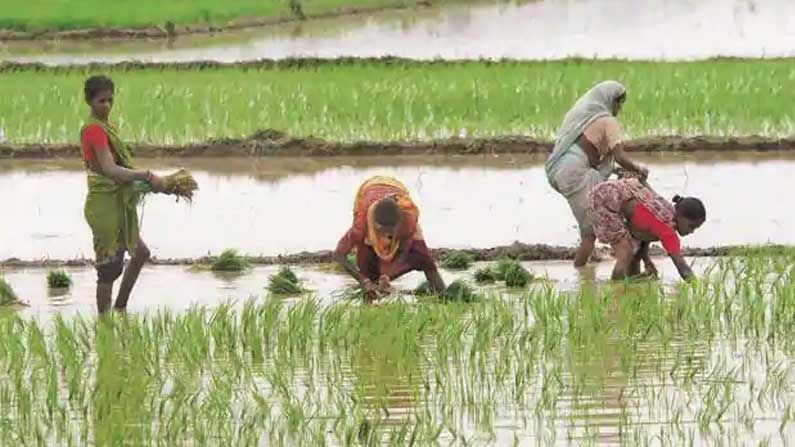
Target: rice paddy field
pixel 62 15
pixel 400 100
pixel 710 363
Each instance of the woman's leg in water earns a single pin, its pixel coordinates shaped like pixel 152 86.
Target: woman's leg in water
pixel 108 271
pixel 131 273
pixel 624 252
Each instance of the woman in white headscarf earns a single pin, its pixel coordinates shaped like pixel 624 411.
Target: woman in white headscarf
pixel 588 145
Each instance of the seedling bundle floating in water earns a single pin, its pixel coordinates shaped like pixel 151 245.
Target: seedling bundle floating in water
pixel 458 290
pixel 58 279
pixel 508 270
pixel 285 282
pixel 457 261
pixel 230 261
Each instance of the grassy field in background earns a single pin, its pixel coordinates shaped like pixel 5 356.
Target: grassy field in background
pixel 383 101
pixel 66 15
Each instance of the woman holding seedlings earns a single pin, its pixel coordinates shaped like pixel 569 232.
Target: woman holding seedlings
pixel 114 187
pixel 588 145
pixel 387 238
pixel 628 215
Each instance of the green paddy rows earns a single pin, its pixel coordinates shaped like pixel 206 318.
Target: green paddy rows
pixel 388 100
pixel 25 15
pixel 710 363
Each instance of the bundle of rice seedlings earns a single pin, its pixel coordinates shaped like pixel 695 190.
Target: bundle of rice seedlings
pixel 229 261
pixel 181 184
pixel 517 276
pixel 58 279
pixel 459 290
pixel 485 275
pixel 457 261
pixel 502 267
pixel 285 282
pixel 7 295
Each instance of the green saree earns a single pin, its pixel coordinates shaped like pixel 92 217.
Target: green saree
pixel 111 207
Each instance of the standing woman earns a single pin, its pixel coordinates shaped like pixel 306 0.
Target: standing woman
pixel 112 198
pixel 588 145
pixel 628 215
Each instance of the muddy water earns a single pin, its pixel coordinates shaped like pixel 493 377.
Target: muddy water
pixel 272 206
pixel 546 29
pixel 178 288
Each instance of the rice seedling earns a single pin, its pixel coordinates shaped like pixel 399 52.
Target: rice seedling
pixel 675 365
pixel 457 261
pixel 58 279
pixel 420 100
pixel 52 14
pixel 285 282
pixel 7 295
pixel 517 276
pixel 460 291
pixel 485 275
pixel 229 261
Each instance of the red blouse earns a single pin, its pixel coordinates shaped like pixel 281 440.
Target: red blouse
pixel 92 139
pixel 644 220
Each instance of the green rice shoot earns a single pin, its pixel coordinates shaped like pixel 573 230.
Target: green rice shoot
pixel 230 261
pixel 285 282
pixel 7 295
pixel 457 260
pixel 58 279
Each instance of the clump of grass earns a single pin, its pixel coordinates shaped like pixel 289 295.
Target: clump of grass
pixel 502 267
pixel 58 279
pixel 7 295
pixel 457 261
pixel 285 282
pixel 517 276
pixel 485 275
pixel 229 261
pixel 460 290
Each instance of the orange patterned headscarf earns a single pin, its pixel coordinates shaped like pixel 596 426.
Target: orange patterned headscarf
pixel 387 187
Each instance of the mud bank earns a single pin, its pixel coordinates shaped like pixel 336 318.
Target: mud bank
pixel 169 30
pixel 517 250
pixel 275 143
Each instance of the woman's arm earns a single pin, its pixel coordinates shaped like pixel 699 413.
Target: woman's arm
pixel 108 168
pixel 684 269
pixel 625 162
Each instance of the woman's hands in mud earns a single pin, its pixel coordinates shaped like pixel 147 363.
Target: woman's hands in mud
pixel 383 284
pixel 370 291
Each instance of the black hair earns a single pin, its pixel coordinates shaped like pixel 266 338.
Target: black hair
pixel 96 84
pixel 387 213
pixel 690 207
pixel 622 97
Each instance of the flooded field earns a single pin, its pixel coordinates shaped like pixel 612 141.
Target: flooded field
pixel 564 362
pixel 545 29
pixel 272 206
pixel 178 288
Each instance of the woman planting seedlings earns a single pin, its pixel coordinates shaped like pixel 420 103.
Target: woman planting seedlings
pixel 628 216
pixel 387 238
pixel 114 190
pixel 588 145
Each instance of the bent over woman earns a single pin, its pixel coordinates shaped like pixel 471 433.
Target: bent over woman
pixel 628 215
pixel 588 145
pixel 387 238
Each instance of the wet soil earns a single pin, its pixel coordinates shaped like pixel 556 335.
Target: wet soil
pixel 275 143
pixel 517 250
